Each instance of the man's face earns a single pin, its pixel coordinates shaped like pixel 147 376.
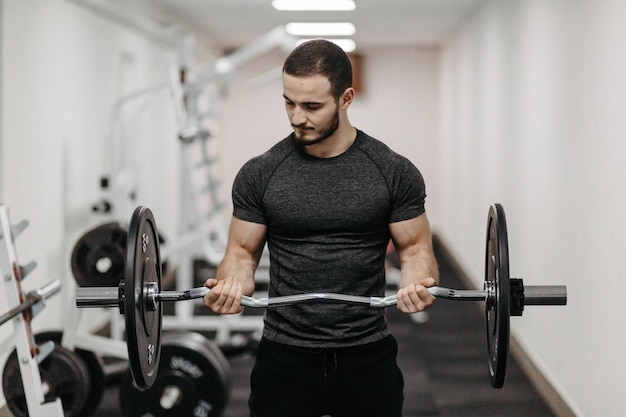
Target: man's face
pixel 312 110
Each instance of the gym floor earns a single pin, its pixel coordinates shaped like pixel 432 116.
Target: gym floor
pixel 444 363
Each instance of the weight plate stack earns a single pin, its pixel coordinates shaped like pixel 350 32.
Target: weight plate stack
pixel 98 256
pixel 64 374
pixel 94 366
pixel 194 379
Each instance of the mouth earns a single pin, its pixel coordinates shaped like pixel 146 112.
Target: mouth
pixel 301 131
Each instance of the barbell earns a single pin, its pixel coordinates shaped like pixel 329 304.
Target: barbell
pixel 139 296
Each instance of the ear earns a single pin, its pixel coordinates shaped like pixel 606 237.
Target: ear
pixel 346 98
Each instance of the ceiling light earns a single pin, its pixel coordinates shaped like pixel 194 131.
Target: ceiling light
pixel 333 5
pixel 320 29
pixel 348 45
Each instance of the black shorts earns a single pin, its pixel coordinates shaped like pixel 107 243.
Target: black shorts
pixel 362 381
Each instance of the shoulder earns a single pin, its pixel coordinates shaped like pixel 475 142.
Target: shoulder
pixel 382 155
pixel 271 158
pixel 280 150
pixel 370 144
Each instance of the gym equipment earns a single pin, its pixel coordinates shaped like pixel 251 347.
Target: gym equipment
pixel 139 297
pixel 194 379
pixel 24 375
pixel 64 375
pixel 92 364
pixel 32 300
pixel 99 255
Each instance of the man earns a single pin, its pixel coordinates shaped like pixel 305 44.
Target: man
pixel 326 199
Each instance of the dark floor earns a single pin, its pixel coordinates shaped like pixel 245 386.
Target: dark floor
pixel 444 361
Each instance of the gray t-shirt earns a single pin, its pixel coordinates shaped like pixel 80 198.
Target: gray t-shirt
pixel 327 231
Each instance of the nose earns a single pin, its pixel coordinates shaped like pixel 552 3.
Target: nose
pixel 298 116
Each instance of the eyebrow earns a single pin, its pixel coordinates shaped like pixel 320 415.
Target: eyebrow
pixel 307 103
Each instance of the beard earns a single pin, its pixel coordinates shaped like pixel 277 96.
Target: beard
pixel 321 133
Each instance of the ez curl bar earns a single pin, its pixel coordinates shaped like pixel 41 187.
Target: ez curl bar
pixel 138 297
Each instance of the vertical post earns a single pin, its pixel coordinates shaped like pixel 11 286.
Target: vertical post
pixel 22 333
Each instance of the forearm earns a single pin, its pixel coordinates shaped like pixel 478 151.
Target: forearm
pixel 246 241
pixel 241 266
pixel 416 266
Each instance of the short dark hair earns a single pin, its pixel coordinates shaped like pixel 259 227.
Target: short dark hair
pixel 321 57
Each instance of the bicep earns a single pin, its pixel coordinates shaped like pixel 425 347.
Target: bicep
pixel 414 245
pixel 246 239
pixel 411 236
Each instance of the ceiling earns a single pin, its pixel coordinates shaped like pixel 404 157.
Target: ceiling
pixel 230 24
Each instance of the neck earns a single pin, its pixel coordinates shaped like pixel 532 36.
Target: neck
pixel 336 144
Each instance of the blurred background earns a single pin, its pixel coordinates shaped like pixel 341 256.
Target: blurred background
pixel 110 104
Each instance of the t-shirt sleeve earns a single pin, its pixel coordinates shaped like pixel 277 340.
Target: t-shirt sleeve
pixel 409 192
pixel 247 193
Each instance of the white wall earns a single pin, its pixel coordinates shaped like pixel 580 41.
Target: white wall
pixel 63 67
pixel 533 100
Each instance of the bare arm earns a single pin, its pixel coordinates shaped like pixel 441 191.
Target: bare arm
pixel 418 266
pixel 235 274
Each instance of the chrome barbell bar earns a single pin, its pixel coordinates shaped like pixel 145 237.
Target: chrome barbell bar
pixel 110 297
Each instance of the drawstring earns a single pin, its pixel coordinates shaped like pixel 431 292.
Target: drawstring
pixel 325 360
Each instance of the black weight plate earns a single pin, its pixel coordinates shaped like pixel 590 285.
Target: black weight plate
pixel 64 373
pixel 220 361
pixel 498 305
pixel 213 352
pixel 98 256
pixel 143 322
pixel 94 365
pixel 194 379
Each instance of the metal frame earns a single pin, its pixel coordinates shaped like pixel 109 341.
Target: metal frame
pixel 21 339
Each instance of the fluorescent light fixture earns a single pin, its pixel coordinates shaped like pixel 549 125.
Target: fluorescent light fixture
pixel 320 29
pixel 333 5
pixel 348 45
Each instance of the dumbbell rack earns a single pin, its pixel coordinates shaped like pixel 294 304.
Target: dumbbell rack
pixel 22 338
